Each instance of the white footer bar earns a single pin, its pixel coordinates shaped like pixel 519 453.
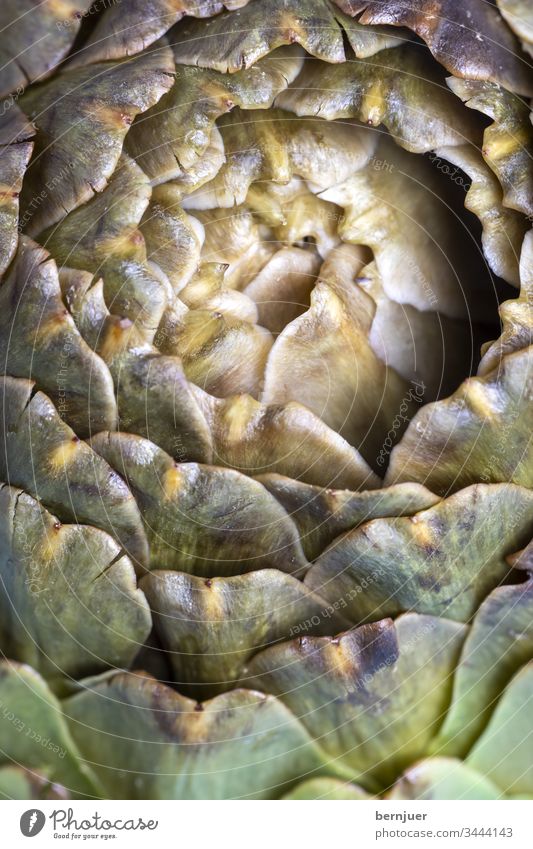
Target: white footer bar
pixel 269 825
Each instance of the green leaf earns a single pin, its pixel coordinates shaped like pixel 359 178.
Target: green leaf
pixel 288 440
pixel 33 731
pixel 401 88
pixel 84 297
pixel 42 455
pixel 102 236
pixel 82 117
pixel 170 138
pixel 39 340
pixel 207 289
pixel 224 355
pixel 507 142
pixel 202 519
pixel 326 788
pixel 235 239
pixel 147 20
pixel 35 38
pixel 374 697
pixel 211 628
pixel 154 397
pixel 173 239
pixel 236 40
pixel 481 433
pixel 499 643
pixel 469 39
pixel 16 145
pixel 148 742
pixel 69 603
pixel 503 751
pixel 443 778
pixel 274 147
pixel 442 561
pixel 323 514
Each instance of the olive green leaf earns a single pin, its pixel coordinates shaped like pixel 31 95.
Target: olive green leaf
pixel 205 168
pixel 275 146
pixel 323 514
pixel 323 359
pixel 42 455
pixel 222 354
pixel 423 346
pixel 503 228
pixel 211 628
pixel 518 15
pixel 469 39
pixel 39 340
pixel 442 561
pixel 507 142
pixel 107 225
pixel 236 40
pixel 69 601
pixel 499 643
pixel 202 519
pixel 366 41
pixel 481 433
pixel 35 38
pixel 232 42
pixel 16 145
pixel 19 783
pixel 326 788
pixel 503 751
pixel 392 342
pixel 516 316
pixel 84 297
pixel 516 319
pixel 33 731
pixel 207 290
pixel 394 204
pixel 285 439
pixel 235 239
pixel 373 697
pixel 102 236
pixel 82 117
pixel 173 238
pixel 138 292
pixel 154 398
pixel 443 778
pixel 283 287
pixel 401 88
pixel 161 745
pixel 169 139
pixel 146 22
pixel 295 214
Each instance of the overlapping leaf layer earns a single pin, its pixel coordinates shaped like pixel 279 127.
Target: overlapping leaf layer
pixel 265 479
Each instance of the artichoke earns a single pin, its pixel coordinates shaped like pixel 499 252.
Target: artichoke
pixel 267 381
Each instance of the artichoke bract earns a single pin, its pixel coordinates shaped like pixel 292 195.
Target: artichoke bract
pixel 266 334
